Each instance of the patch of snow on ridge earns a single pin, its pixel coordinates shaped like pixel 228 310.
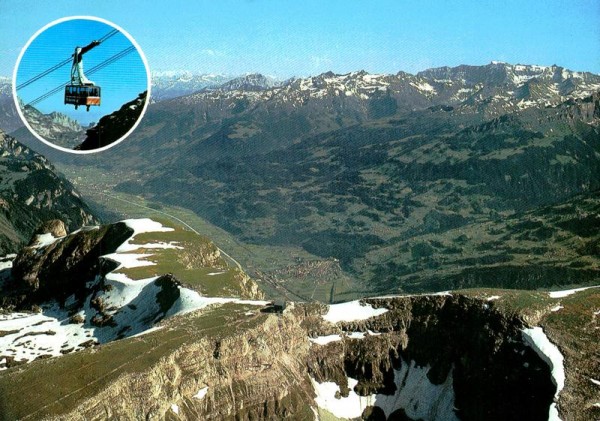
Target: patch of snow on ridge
pixel 567 292
pixel 140 226
pixel 86 228
pixel 129 260
pixel 44 240
pixel 28 336
pixel 201 393
pixel 537 339
pixel 6 262
pixel 132 260
pixel 190 300
pixel 419 398
pixel 159 245
pixel 324 340
pixel 424 86
pixel 352 311
pixel 152 329
pixel 349 407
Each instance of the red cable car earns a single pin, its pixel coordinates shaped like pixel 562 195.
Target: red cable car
pixel 82 95
pixel 81 90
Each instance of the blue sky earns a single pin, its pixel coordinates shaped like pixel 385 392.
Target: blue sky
pixel 121 81
pixel 300 38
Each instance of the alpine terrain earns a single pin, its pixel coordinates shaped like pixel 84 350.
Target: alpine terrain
pixel 187 335
pixel 335 247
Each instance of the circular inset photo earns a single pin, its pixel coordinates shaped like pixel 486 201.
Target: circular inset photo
pixel 81 84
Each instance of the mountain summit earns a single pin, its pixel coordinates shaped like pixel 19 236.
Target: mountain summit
pixel 251 82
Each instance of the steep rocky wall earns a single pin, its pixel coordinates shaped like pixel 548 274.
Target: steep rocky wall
pixel 257 374
pixel 495 376
pixel 32 192
pixel 63 267
pixel 473 354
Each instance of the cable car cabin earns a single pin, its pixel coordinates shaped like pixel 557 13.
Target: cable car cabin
pixel 82 95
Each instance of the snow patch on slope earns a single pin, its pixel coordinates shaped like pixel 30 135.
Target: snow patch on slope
pixel 324 340
pixel 419 398
pixel 352 311
pixel 44 240
pixel 201 393
pixel 537 339
pixel 27 336
pixel 129 260
pixel 140 226
pixel 567 292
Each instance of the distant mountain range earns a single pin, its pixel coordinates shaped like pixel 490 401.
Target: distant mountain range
pixel 497 88
pixel 493 89
pixel 166 85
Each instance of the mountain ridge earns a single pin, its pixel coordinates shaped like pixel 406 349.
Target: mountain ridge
pixel 457 355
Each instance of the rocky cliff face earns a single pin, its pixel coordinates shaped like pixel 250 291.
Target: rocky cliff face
pixel 32 192
pixel 59 269
pixel 466 357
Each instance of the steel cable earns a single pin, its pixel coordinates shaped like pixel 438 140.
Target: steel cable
pixel 93 70
pixel 61 64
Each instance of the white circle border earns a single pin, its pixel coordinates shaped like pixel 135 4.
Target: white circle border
pixel 128 36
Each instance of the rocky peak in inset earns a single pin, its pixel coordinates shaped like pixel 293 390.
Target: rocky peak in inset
pixel 114 126
pixel 55 127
